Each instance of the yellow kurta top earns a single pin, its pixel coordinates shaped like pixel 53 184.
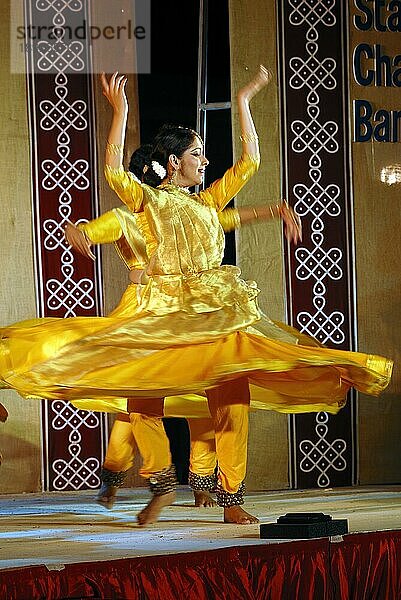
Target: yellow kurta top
pixel 191 329
pixel 184 269
pixel 131 236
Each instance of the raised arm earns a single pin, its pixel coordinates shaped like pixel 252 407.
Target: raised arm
pixel 122 182
pixel 114 91
pixel 223 190
pixel 249 137
pixel 250 146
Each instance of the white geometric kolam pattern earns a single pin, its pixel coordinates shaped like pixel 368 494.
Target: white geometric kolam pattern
pixel 75 472
pixel 65 175
pixel 322 455
pixel 319 265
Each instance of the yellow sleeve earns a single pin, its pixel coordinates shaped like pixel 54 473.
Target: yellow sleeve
pixel 229 219
pixel 103 230
pixel 223 190
pixel 127 188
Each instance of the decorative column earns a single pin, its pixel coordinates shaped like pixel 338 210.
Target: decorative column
pixel 64 187
pixel 315 160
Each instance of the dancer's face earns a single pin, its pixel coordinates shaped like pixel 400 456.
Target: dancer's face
pixel 192 165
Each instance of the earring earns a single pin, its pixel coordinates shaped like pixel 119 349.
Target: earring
pixel 172 178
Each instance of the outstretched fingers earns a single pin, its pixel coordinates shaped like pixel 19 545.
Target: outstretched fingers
pixel 120 82
pixel 293 225
pixel 258 82
pixel 104 82
pixel 78 241
pixel 264 76
pixel 114 89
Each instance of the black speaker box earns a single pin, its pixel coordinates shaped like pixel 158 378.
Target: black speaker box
pixel 300 526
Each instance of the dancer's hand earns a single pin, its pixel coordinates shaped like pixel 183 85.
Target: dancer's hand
pixel 292 223
pixel 114 90
pixel 261 79
pixel 78 240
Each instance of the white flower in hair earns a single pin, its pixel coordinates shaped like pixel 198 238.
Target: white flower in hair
pixel 159 169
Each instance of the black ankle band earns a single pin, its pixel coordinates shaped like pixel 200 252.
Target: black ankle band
pixel 226 499
pixel 113 478
pixel 204 483
pixel 163 482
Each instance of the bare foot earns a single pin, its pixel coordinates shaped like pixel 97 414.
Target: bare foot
pixel 3 413
pixel 151 512
pixel 106 496
pixel 203 498
pixel 236 514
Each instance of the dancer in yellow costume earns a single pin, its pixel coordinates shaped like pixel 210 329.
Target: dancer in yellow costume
pixel 192 329
pixel 120 226
pixel 131 237
pixel 130 231
pixel 173 163
pixel 146 431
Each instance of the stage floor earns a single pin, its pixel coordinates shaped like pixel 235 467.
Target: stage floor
pixel 63 528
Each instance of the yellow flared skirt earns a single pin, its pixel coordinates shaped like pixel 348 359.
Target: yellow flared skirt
pixel 104 360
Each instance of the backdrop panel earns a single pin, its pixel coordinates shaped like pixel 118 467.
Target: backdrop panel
pixel 64 188
pixel 316 183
